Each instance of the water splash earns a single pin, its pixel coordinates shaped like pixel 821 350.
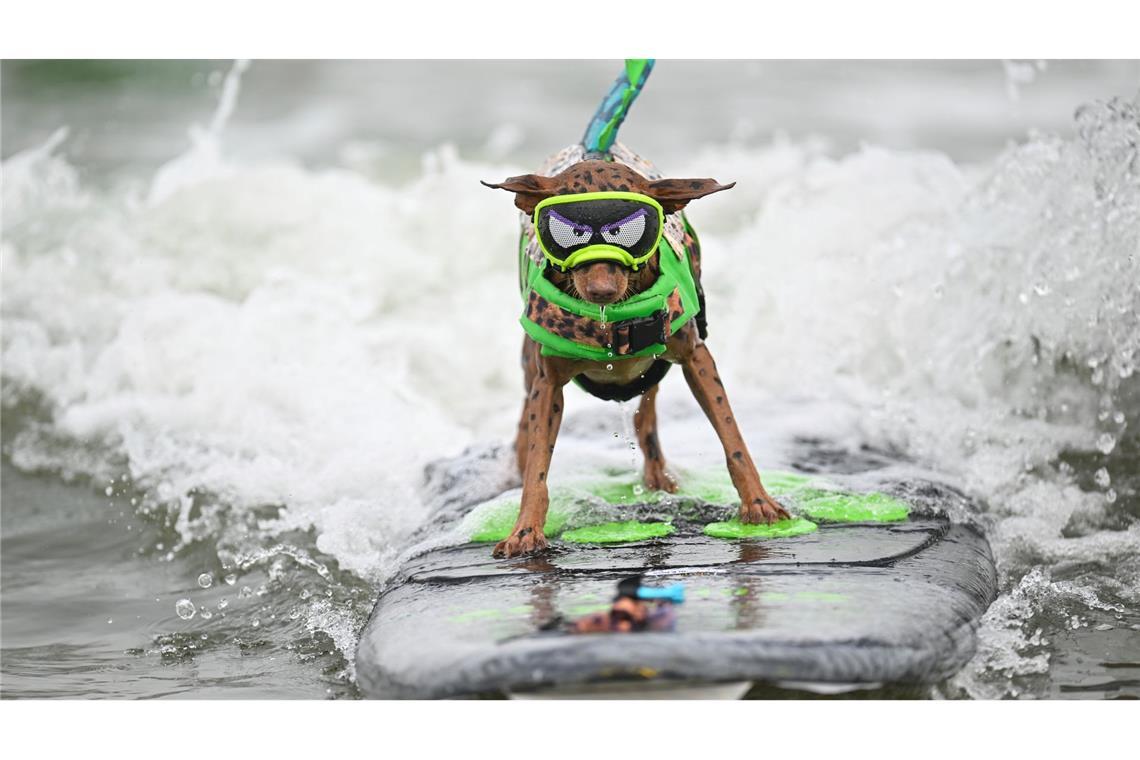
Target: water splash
pixel 1020 73
pixel 203 159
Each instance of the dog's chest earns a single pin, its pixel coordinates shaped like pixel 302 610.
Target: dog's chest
pixel 619 372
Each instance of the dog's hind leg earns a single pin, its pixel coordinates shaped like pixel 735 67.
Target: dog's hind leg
pixel 645 423
pixel 529 362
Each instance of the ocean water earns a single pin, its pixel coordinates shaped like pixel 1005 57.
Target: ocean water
pixel 245 307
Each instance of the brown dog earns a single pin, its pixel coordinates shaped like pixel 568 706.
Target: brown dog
pixel 604 283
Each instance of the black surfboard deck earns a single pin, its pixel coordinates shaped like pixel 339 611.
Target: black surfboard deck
pixel 851 605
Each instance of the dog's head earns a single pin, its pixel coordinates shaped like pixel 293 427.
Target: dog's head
pixel 602 220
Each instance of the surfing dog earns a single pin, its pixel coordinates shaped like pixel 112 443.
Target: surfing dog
pixel 601 234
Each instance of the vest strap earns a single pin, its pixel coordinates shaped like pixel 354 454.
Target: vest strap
pixel 624 338
pixel 635 335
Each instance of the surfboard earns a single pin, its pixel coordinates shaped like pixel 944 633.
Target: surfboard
pixel 861 590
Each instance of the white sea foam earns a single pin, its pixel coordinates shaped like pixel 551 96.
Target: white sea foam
pixel 277 335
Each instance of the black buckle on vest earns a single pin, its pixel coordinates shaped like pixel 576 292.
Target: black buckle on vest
pixel 642 332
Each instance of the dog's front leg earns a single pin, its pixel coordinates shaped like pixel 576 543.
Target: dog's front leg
pixel 543 415
pixel 704 381
pixel 530 361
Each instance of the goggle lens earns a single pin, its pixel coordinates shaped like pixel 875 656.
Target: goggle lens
pixel 624 227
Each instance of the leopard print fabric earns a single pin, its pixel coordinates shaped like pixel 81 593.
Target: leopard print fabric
pixel 566 324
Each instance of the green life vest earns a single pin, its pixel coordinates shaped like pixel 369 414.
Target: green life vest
pixel 638 326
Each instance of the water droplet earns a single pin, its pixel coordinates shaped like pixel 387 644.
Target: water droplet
pixel 185 609
pixel 205 580
pixel 109 490
pixel 245 592
pixel 305 594
pixel 230 579
pixel 256 622
pixel 1023 297
pixel 1104 627
pixel 1118 418
pixel 1110 496
pixel 1106 443
pixel 1102 478
pixel 1042 289
pixel 109 621
pixel 206 614
pixel 294 613
pixel 223 603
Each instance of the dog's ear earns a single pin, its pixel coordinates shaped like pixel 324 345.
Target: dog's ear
pixel 529 190
pixel 673 194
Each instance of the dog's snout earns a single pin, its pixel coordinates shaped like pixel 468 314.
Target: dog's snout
pixel 603 292
pixel 602 282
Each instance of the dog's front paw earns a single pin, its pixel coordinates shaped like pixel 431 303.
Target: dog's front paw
pixel 761 510
pixel 522 541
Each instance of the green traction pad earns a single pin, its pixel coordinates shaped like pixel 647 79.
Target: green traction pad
pixel 796 526
pixel 501 514
pixel 618 532
pixel 835 506
pixel 806 495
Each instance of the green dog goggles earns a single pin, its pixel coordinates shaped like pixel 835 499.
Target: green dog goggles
pixel 605 226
